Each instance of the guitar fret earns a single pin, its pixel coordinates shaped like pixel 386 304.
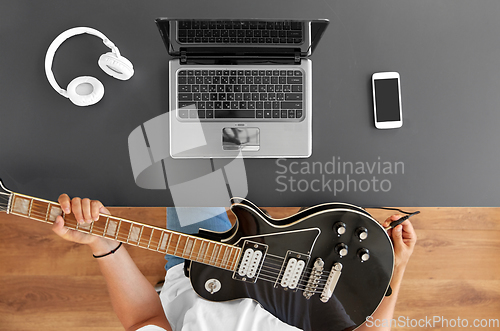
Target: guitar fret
pixel 129 232
pixel 163 243
pixel 159 241
pixel 224 258
pixel 118 230
pixel 30 208
pixel 235 258
pixel 55 211
pixel 230 261
pixel 199 248
pixel 215 251
pixel 38 209
pixel 189 246
pixel 191 250
pixel 208 252
pixel 91 227
pixel 143 242
pixel 218 256
pixel 106 227
pixel 169 240
pixel 134 234
pixel 140 235
pixel 201 251
pixel 229 258
pixel 150 237
pixel 177 246
pixel 186 245
pixel 47 214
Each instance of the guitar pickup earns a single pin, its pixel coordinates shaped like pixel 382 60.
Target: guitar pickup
pixel 250 261
pixel 292 270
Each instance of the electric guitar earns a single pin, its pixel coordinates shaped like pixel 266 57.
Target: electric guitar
pixel 325 268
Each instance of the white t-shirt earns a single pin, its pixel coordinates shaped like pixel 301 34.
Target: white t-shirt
pixel 186 311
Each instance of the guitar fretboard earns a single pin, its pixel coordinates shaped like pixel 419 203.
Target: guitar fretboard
pixel 141 235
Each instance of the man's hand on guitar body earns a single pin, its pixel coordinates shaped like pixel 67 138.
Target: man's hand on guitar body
pixel 403 238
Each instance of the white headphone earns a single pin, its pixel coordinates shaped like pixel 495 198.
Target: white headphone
pixel 85 90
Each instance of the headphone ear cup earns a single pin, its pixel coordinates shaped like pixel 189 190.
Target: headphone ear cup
pixel 116 66
pixel 85 91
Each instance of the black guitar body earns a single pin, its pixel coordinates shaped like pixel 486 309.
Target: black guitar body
pixel 308 235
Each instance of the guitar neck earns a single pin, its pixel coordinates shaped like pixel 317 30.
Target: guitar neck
pixel 133 233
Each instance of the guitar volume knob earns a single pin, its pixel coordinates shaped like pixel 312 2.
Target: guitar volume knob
pixel 342 249
pixel 363 254
pixel 362 233
pixel 339 228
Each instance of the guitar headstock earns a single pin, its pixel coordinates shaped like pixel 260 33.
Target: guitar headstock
pixel 5 195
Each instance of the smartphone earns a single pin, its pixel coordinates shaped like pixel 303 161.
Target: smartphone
pixel 387 110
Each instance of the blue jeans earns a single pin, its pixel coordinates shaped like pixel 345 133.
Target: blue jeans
pixel 220 223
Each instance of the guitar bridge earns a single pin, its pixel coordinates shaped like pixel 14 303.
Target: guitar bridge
pixel 331 283
pixel 250 261
pixel 314 278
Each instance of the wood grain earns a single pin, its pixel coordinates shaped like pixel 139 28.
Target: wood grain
pixel 51 284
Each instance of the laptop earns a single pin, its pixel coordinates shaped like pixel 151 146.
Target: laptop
pixel 240 87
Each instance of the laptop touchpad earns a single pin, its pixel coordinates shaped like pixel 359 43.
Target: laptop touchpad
pixel 245 139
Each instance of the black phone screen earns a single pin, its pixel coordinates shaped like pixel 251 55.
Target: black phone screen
pixel 387 100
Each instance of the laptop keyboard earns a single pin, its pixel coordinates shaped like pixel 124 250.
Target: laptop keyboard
pixel 207 95
pixel 240 32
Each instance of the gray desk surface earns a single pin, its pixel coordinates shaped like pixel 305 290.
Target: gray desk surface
pixel 447 52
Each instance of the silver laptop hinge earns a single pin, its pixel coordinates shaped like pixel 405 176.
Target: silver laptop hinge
pixel 297 57
pixel 183 57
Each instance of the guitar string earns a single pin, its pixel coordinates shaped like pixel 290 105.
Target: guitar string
pixel 298 287
pixel 153 243
pixel 267 276
pixel 274 275
pixel 43 214
pixel 279 265
pixel 322 278
pixel 303 282
pixel 40 212
pixel 305 274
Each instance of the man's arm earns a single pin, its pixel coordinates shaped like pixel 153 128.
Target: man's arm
pixel 403 238
pixel 134 299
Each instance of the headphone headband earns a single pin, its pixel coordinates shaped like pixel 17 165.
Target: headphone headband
pixel 49 57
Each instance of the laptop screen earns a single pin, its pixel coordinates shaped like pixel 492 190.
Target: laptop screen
pixel 240 37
